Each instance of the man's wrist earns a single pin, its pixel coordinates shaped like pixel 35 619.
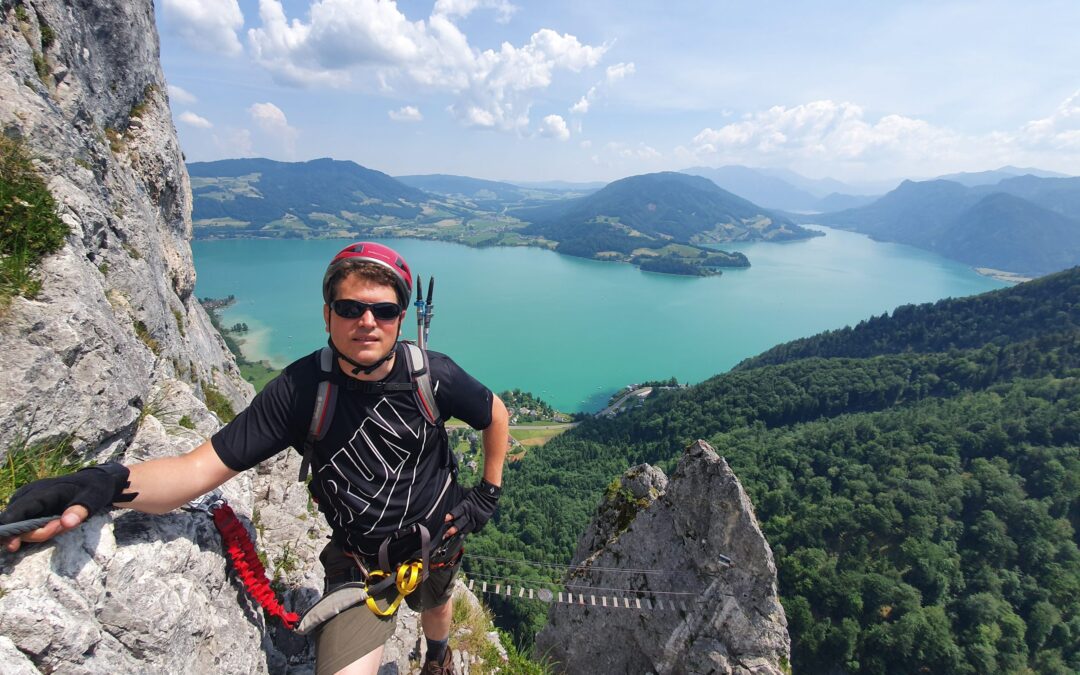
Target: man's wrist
pixel 489 489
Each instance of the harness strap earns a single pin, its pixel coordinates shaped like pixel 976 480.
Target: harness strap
pixel 322 414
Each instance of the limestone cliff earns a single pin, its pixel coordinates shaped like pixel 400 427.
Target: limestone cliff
pixel 116 357
pixel 703 615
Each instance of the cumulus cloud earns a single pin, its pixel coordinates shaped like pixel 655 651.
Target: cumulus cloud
pixel 840 138
pixel 208 25
pixel 194 120
pixel 345 40
pixel 406 114
pixel 611 75
pixel 824 130
pixel 179 95
pixel 619 71
pixel 1059 131
pixel 554 126
pixel 503 9
pixel 272 121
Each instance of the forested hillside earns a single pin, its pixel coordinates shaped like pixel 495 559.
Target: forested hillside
pixel 918 478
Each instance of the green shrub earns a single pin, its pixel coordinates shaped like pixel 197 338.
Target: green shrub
pixel 21 15
pixel 186 422
pixel 217 403
pixel 178 315
pixel 29 226
pixel 48 35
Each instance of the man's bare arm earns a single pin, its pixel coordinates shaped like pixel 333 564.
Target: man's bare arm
pixel 170 482
pixel 163 485
pixel 496 440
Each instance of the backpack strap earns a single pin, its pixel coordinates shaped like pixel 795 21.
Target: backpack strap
pixel 420 373
pixel 416 360
pixel 323 412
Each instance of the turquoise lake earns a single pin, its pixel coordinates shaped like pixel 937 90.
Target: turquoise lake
pixel 574 331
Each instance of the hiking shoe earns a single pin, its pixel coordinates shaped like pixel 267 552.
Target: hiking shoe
pixel 444 667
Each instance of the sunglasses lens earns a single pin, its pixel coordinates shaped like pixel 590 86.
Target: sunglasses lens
pixel 385 310
pixel 353 309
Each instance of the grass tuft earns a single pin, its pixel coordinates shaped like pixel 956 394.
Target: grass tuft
pixel 26 462
pixel 217 403
pixel 29 226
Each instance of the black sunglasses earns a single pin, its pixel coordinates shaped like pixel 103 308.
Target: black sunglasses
pixel 354 309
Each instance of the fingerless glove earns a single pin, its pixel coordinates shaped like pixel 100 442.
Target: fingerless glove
pixel 94 487
pixel 476 508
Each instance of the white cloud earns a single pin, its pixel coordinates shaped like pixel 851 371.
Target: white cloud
pixel 208 25
pixel 272 121
pixel 406 114
pixel 504 10
pixel 582 106
pixel 371 40
pixel 611 75
pixel 1059 131
pixel 824 130
pixel 194 120
pixel 619 71
pixel 638 152
pixel 841 139
pixel 554 126
pixel 179 95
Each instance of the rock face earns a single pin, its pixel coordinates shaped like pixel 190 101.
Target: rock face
pixel 111 355
pixel 687 525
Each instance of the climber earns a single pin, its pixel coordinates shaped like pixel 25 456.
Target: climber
pixel 381 469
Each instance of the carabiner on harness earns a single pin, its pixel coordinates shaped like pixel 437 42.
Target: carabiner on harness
pixel 408 578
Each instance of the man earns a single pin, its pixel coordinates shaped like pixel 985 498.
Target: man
pixel 379 470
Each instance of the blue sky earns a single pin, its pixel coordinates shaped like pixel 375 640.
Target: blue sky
pixel 597 89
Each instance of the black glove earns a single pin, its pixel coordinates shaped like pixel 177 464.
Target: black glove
pixel 95 487
pixel 476 508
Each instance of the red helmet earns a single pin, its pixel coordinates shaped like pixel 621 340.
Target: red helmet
pixel 378 254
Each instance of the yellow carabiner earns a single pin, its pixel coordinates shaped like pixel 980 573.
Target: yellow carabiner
pixel 408 577
pixel 408 580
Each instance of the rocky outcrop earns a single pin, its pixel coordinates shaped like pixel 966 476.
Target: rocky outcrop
pixel 703 615
pixel 115 359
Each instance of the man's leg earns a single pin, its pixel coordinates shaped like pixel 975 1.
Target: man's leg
pixel 368 665
pixel 436 621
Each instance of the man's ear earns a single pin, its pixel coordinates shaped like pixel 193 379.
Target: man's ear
pixel 326 316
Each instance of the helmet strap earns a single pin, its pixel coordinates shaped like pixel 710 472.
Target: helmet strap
pixel 357 366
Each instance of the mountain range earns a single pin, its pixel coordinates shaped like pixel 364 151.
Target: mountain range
pixel 1025 224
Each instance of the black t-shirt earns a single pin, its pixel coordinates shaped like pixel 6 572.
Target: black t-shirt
pixel 380 466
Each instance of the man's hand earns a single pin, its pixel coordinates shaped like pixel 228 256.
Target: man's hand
pixel 474 510
pixel 72 499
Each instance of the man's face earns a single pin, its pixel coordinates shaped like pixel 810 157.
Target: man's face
pixel 364 339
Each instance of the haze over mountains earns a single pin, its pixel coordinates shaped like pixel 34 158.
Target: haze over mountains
pixel 1018 220
pixel 1025 224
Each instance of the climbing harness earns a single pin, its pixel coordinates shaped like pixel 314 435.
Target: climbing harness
pixel 242 553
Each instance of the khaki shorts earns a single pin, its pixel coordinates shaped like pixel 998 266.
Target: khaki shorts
pixel 357 631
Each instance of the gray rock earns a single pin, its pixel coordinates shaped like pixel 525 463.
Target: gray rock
pixel 731 621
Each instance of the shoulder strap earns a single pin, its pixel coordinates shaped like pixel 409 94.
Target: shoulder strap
pixel 420 373
pixel 322 413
